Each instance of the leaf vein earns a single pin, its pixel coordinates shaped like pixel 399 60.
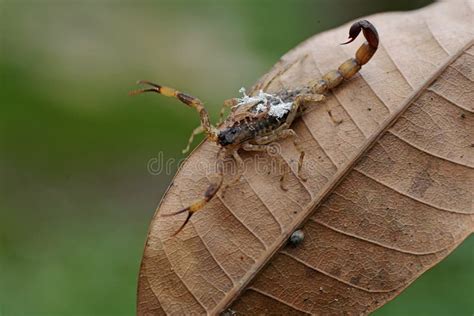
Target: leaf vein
pixel 410 196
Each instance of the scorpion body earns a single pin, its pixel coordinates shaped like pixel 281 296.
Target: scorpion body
pixel 257 121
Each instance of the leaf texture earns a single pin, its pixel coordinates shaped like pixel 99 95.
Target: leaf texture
pixel 389 191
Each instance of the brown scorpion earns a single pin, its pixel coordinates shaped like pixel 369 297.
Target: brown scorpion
pixel 257 121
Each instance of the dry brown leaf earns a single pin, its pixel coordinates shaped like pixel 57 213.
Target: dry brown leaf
pixel 390 189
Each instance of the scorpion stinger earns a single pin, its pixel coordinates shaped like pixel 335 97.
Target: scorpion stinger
pixel 351 66
pixel 369 30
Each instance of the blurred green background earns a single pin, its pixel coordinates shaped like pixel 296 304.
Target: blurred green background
pixel 76 196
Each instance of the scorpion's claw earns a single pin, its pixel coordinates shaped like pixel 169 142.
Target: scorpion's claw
pixel 179 212
pixel 197 205
pixel 185 98
pixel 135 92
pixel 190 213
pixel 155 88
pixel 149 83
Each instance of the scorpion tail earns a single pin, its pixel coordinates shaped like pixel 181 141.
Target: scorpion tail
pixel 351 66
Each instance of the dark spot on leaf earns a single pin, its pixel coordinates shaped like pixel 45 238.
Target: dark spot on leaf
pixel 421 183
pixel 336 271
pixel 355 280
pixel 310 273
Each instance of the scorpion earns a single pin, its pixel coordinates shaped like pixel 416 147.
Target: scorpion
pixel 255 122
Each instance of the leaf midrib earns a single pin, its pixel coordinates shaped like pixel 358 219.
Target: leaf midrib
pixel 303 216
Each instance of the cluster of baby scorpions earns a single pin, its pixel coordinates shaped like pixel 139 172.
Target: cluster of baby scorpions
pixel 257 121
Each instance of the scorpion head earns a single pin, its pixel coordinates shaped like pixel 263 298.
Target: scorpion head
pixel 229 136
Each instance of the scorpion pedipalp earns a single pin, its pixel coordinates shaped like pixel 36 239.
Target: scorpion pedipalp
pixel 197 205
pixel 179 212
pixel 185 98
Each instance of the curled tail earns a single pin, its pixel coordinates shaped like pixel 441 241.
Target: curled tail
pixel 351 66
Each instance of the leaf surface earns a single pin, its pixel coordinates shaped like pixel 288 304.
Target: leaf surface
pixel 389 191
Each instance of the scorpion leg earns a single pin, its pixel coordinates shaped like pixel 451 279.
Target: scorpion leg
pixel 239 173
pixel 199 204
pixel 269 149
pixel 198 130
pixel 187 99
pixel 282 134
pixel 351 66
pixel 336 121
pixel 305 101
pixel 227 104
